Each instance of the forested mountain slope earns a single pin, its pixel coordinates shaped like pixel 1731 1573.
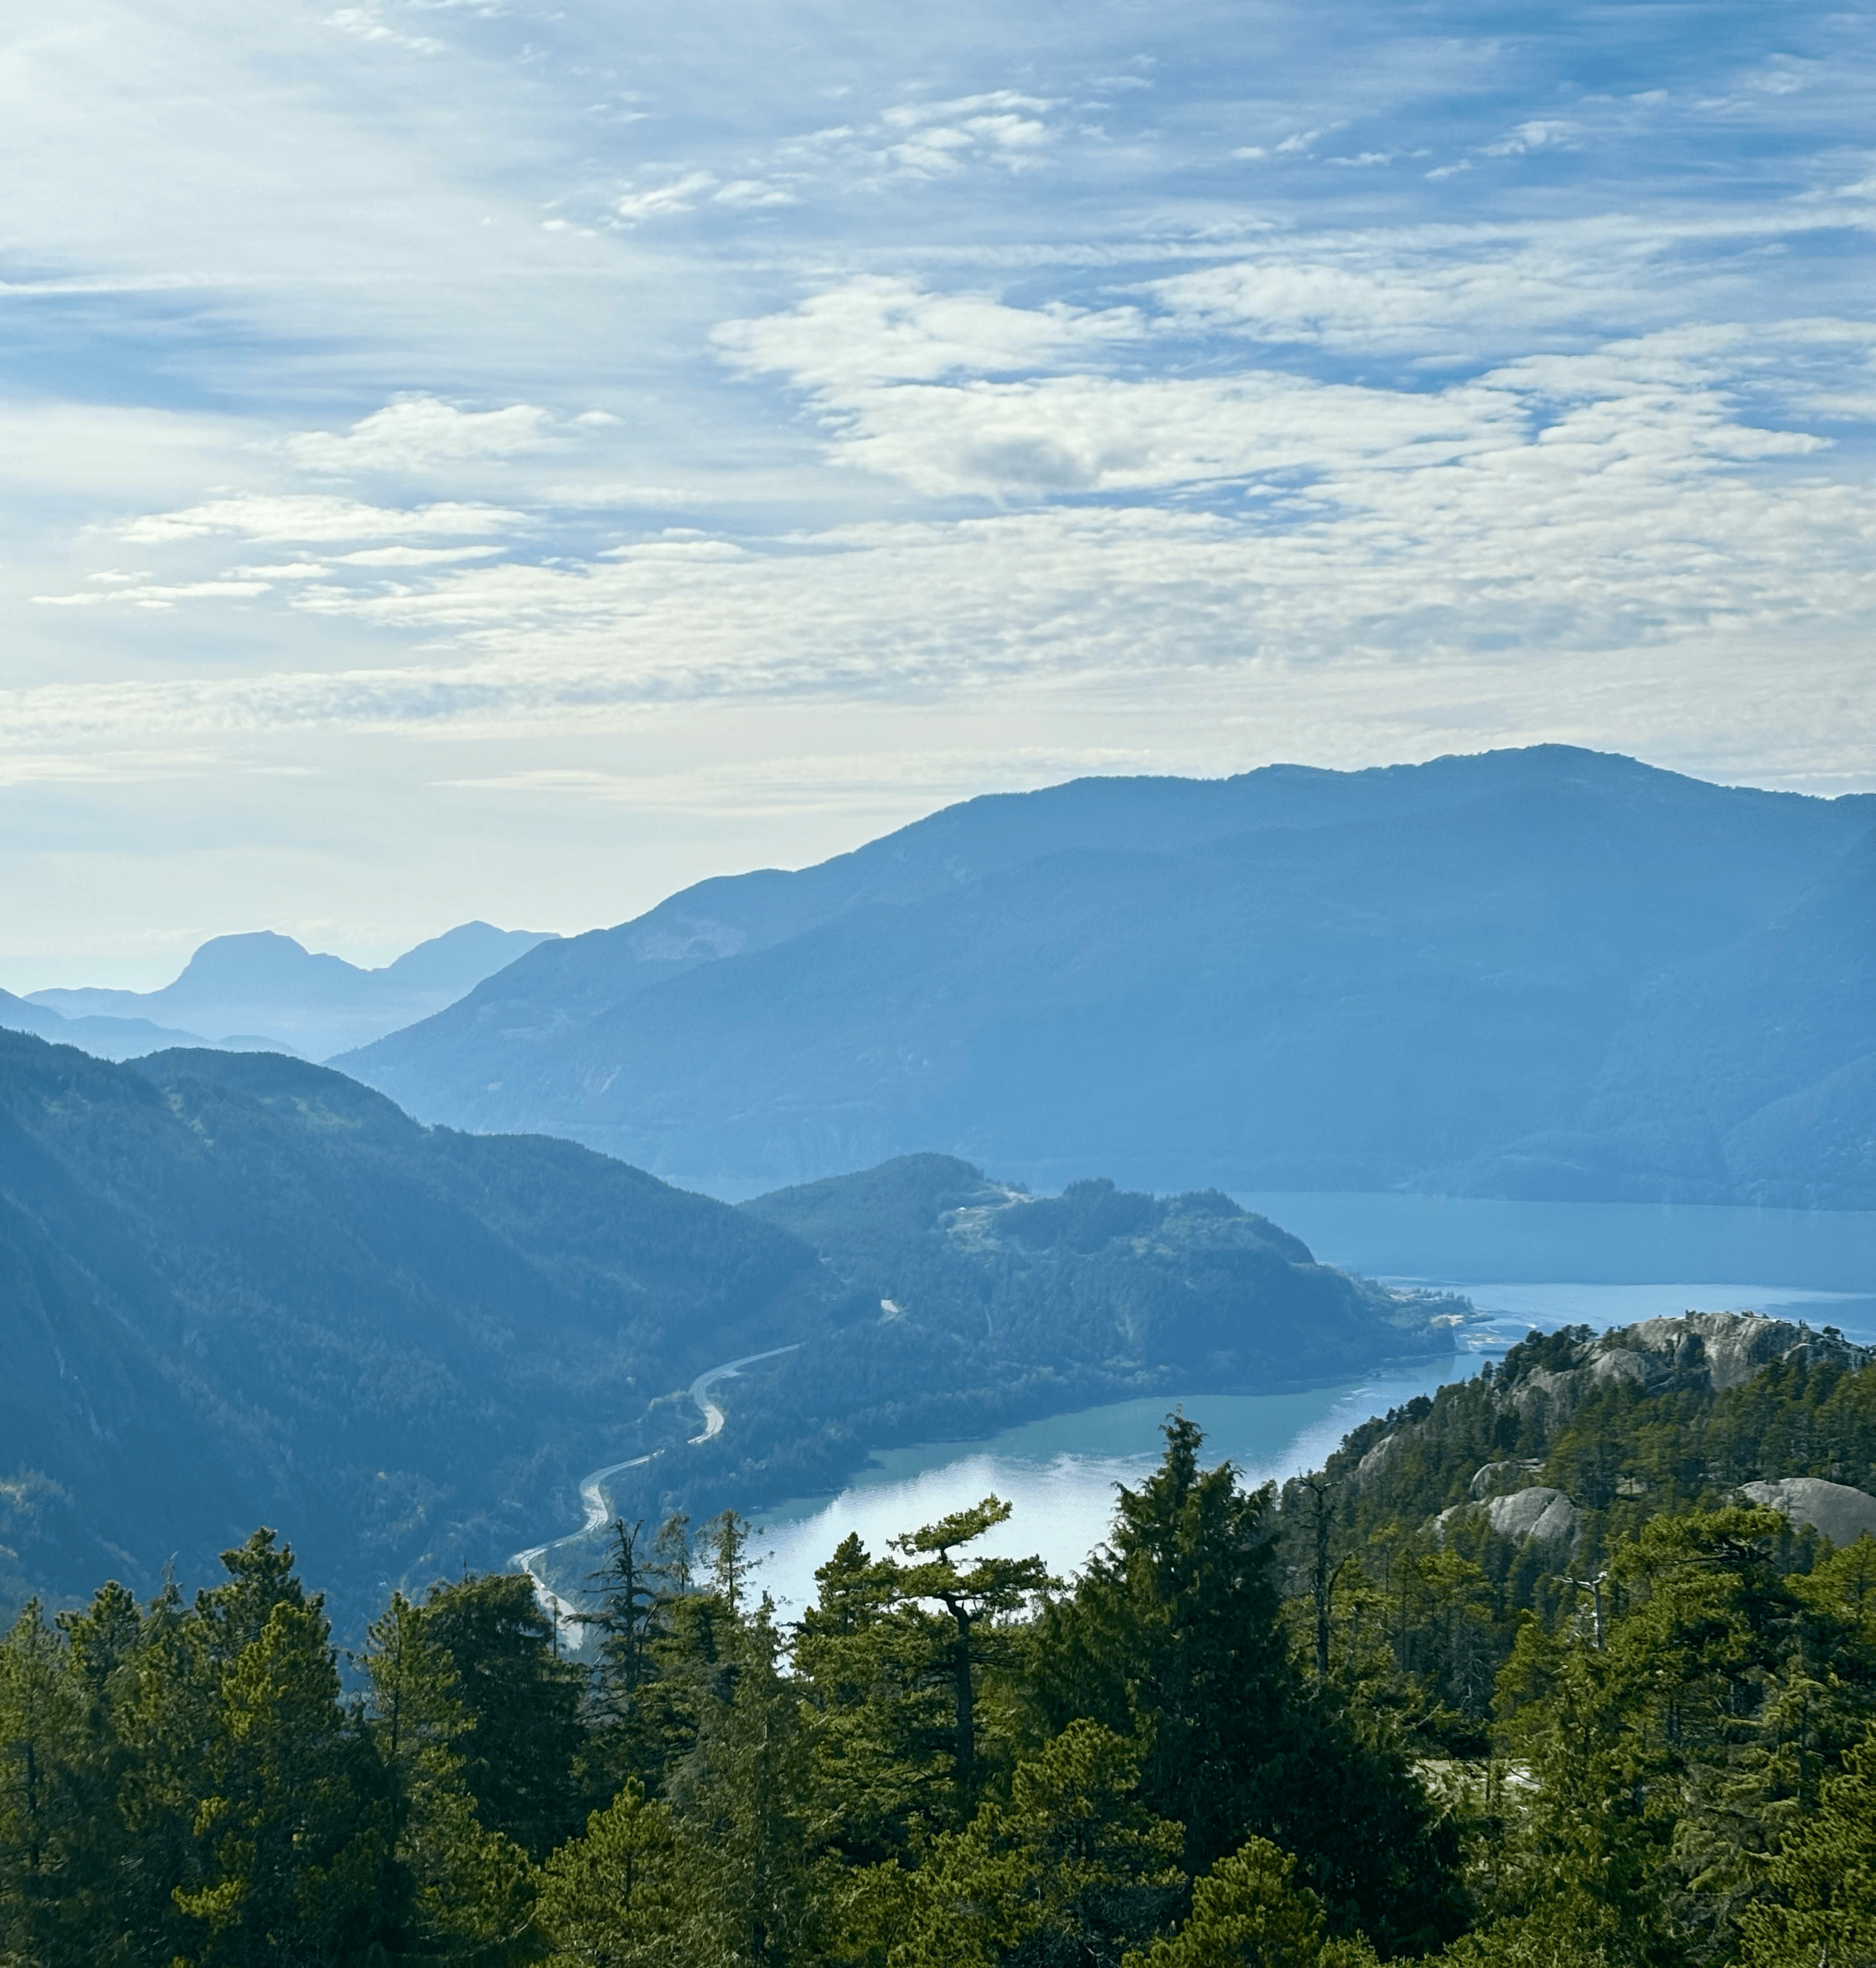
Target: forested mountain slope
pixel 1513 1492
pixel 1542 973
pixel 1621 1592
pixel 237 1287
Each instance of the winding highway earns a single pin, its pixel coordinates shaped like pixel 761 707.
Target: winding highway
pixel 592 1488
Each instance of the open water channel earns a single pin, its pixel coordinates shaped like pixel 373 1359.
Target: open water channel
pixel 1523 1265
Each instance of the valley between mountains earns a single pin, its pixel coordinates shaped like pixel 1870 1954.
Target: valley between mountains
pixel 237 1287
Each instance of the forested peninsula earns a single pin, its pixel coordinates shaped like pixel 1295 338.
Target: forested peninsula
pixel 1574 1663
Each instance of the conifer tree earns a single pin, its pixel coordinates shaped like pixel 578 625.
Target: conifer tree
pixel 292 1817
pixel 885 1724
pixel 742 1793
pixel 1822 1904
pixel 1248 1912
pixel 523 1702
pixel 1577 1874
pixel 459 1892
pixel 624 1740
pixel 1071 1870
pixel 973 1597
pixel 628 1600
pixel 42 1831
pixel 629 1894
pixel 104 1881
pixel 1174 1634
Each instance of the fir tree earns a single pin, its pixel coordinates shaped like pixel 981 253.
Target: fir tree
pixel 523 1702
pixel 973 1596
pixel 629 1894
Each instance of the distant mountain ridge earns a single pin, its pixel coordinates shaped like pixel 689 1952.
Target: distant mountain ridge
pixel 1548 973
pixel 263 991
pixel 103 1037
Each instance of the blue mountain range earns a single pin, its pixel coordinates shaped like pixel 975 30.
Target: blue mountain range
pixel 1542 974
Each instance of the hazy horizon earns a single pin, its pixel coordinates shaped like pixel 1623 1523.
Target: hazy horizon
pixel 455 464
pixel 148 971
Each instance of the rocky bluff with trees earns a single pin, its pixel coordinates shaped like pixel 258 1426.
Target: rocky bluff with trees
pixel 1626 1724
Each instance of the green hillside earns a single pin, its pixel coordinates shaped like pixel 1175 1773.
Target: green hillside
pixel 235 1286
pixel 1512 1495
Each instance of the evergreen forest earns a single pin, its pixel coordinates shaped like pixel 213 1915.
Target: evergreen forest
pixel 1377 1716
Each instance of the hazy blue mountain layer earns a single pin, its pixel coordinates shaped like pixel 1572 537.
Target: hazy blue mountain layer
pixel 103 1037
pixel 266 990
pixel 236 1287
pixel 1544 973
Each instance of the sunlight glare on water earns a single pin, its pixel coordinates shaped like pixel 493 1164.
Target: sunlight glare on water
pixel 1060 1474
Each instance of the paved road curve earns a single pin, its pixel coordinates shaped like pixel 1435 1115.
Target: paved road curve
pixel 592 1488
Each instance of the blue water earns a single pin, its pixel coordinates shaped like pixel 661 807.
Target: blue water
pixel 1455 1239
pixel 1524 1265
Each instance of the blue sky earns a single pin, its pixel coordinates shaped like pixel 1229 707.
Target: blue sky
pixel 511 460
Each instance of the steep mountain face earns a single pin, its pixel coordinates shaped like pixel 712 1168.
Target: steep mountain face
pixel 1546 973
pixel 968 1305
pixel 235 1288
pixel 263 991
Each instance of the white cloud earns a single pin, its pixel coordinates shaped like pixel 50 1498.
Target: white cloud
pixel 159 594
pixel 879 327
pixel 1084 434
pixel 912 385
pixel 1421 295
pixel 663 201
pixel 931 142
pixel 1783 74
pixel 414 432
pixel 1599 547
pixel 1542 133
pixel 412 556
pixel 752 193
pixel 261 516
pixel 365 24
pixel 937 137
pixel 601 495
pixel 1097 435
